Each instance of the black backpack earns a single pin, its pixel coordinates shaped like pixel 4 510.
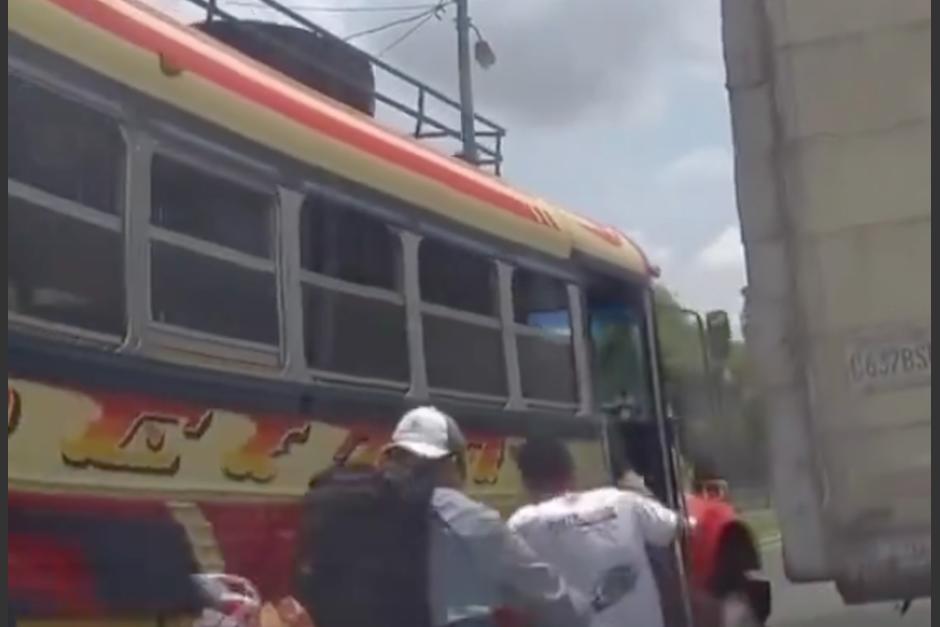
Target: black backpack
pixel 363 548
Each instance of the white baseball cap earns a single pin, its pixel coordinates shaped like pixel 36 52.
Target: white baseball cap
pixel 428 432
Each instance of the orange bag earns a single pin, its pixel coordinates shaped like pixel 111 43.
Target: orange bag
pixel 286 613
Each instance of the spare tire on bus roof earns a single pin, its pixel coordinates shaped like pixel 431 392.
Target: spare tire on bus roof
pixel 320 61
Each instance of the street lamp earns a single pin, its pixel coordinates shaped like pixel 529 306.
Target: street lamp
pixel 482 51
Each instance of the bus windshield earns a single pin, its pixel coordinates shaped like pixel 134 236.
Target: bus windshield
pixel 619 365
pixel 619 361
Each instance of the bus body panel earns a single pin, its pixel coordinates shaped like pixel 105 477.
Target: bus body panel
pixel 86 440
pixel 99 475
pixel 830 104
pixel 111 437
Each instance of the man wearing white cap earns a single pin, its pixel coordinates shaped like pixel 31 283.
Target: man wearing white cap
pixel 477 564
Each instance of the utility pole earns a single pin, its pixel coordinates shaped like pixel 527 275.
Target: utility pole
pixel 464 68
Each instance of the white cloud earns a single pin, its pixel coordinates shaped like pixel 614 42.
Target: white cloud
pixel 182 10
pixel 695 205
pixel 725 251
pixel 557 61
pixel 659 254
pixel 706 289
pixel 713 277
pixel 560 61
pixel 703 165
pixel 698 24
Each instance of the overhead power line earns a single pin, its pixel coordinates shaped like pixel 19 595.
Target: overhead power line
pixel 408 33
pixel 427 13
pixel 336 9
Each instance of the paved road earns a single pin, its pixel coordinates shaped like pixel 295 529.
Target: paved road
pixel 819 605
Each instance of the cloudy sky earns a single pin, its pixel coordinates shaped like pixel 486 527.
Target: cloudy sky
pixel 614 108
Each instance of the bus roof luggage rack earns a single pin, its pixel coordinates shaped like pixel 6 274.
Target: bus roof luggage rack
pixel 311 55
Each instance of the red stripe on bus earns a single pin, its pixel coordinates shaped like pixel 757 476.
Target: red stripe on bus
pixel 258 541
pixel 49 576
pixel 319 117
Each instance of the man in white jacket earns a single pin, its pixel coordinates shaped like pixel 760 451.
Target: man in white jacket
pixel 595 539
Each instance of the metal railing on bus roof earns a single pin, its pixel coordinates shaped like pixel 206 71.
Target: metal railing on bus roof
pixel 488 134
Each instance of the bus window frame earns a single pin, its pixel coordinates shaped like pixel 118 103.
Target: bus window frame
pixel 117 223
pixel 292 200
pixel 150 126
pixel 669 446
pixel 65 87
pixel 639 325
pixel 580 359
pixel 304 276
pixel 572 274
pixel 399 217
pixel 493 323
pixel 649 345
pixel 205 157
pixel 170 136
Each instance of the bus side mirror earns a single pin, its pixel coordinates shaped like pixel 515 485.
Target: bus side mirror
pixel 718 333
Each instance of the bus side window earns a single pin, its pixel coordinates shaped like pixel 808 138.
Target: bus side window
pixel 353 306
pixel 64 210
pixel 463 344
pixel 543 337
pixel 212 254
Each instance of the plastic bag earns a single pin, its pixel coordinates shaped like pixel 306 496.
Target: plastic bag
pixel 232 601
pixel 286 613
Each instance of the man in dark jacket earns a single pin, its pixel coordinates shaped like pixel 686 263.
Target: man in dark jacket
pixel 477 564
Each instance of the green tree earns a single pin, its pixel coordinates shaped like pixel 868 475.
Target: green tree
pixel 685 381
pixel 680 346
pixel 748 422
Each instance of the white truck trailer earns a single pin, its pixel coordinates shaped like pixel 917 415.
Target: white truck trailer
pixel 830 103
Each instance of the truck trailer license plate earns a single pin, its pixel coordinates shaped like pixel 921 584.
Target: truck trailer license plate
pixel 890 362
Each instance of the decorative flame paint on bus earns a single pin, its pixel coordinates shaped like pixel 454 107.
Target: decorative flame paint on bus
pixel 94 441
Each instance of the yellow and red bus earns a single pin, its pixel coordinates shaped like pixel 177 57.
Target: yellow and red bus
pixel 220 282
